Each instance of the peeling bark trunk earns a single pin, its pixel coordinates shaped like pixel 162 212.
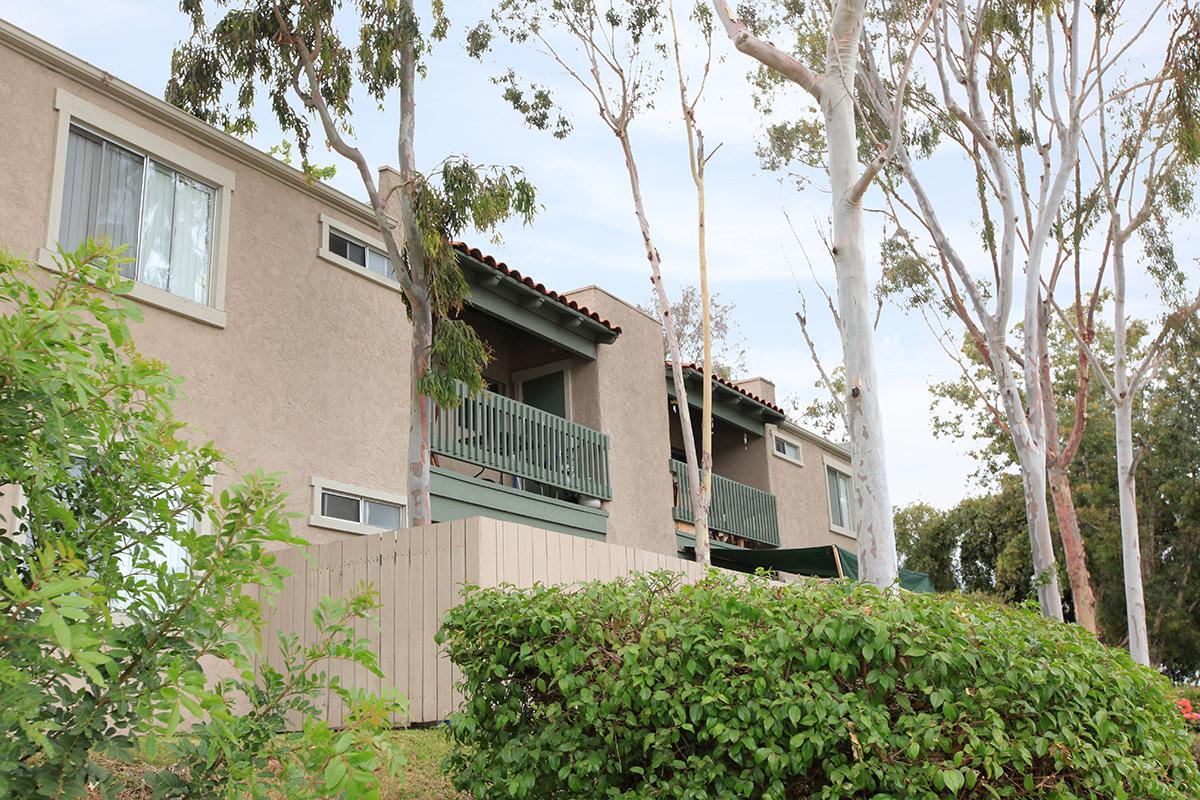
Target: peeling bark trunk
pixel 420 424
pixel 1073 549
pixel 864 417
pixel 664 308
pixel 705 497
pixel 1057 463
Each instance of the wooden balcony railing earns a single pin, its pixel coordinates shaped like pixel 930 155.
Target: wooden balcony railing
pixel 735 508
pixel 499 433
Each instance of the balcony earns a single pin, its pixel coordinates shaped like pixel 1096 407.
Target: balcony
pixel 533 448
pixel 735 509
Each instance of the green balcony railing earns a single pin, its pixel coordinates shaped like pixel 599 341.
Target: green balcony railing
pixel 515 439
pixel 735 508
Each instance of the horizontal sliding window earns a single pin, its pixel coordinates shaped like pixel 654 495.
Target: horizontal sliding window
pixel 788 449
pixel 361 510
pixel 163 218
pixel 356 252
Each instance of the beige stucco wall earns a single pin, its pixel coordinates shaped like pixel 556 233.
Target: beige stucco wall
pixel 308 376
pixel 801 494
pixel 623 393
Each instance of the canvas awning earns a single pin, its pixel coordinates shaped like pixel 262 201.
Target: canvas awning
pixel 827 561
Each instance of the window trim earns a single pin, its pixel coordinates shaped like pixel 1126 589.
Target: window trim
pixel 328 223
pixel 843 468
pixel 798 461
pixel 75 110
pixel 319 520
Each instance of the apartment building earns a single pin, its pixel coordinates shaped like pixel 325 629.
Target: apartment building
pixel 273 299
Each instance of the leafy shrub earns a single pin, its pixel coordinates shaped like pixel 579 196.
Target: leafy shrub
pixel 121 573
pixel 726 688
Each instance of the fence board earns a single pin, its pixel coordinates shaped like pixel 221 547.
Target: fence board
pixel 419 573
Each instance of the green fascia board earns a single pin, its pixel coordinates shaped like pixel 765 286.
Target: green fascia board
pixel 458 496
pixel 740 417
pixel 509 300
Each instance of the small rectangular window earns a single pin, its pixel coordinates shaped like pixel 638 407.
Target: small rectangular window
pixel 361 254
pixel 340 506
pixel 361 512
pixel 382 515
pixel 788 449
pixel 348 249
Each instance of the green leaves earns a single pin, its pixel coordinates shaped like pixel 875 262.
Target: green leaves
pixel 101 633
pixel 739 688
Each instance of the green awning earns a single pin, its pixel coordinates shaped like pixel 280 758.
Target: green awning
pixel 828 561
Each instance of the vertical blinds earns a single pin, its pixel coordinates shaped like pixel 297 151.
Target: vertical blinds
pixel 839 497
pixel 163 218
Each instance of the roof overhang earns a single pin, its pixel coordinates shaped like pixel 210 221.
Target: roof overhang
pixel 532 310
pixel 729 405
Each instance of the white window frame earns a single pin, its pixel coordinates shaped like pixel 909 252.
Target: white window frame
pixel 350 232
pixel 122 131
pixel 843 468
pixel 319 520
pixel 798 460
pixel 564 366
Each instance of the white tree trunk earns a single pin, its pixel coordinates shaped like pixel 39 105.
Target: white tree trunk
pixel 1045 568
pixel 699 507
pixel 1131 548
pixel 872 509
pixel 1031 457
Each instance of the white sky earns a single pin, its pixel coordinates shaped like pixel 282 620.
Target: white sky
pixel 587 232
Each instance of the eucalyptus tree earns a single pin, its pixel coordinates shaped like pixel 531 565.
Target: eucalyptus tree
pixel 1018 149
pixel 614 51
pixel 823 60
pixel 698 158
pixel 310 58
pixel 1143 149
pixel 1012 92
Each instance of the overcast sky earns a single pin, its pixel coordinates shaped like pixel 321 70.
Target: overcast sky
pixel 587 232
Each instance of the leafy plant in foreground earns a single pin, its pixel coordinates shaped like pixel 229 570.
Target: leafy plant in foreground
pixel 122 576
pixel 727 688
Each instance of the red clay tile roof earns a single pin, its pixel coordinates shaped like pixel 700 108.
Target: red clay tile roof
pixel 731 385
pixel 504 269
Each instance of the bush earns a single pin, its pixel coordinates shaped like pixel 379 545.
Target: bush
pixel 120 574
pixel 727 688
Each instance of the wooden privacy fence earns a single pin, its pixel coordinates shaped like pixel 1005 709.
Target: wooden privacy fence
pixel 418 573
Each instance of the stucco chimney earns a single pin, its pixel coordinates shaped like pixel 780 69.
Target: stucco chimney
pixel 760 387
pixel 389 184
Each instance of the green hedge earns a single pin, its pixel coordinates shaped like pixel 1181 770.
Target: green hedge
pixel 820 689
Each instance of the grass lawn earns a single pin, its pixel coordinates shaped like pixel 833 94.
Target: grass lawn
pixel 423 778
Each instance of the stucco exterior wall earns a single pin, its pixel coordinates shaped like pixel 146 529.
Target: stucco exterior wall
pixel 623 393
pixel 801 495
pixel 309 374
